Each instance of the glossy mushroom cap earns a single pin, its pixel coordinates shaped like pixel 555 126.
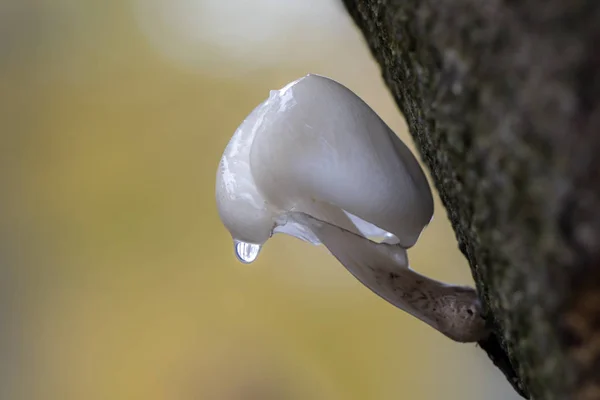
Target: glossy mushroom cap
pixel 315 147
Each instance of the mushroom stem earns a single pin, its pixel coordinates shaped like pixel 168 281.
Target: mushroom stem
pixel 453 310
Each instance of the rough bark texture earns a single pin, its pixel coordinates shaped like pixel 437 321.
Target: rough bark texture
pixel 502 99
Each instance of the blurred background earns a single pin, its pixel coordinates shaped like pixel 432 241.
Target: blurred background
pixel 117 279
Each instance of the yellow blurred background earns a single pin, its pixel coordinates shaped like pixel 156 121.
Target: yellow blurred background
pixel 117 279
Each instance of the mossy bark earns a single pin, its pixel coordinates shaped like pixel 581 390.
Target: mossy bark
pixel 502 100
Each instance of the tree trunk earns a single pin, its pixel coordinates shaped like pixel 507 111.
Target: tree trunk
pixel 501 98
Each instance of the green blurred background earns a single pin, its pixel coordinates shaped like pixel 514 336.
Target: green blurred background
pixel 117 280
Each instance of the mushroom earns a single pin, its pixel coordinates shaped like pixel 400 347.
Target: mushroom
pixel 315 162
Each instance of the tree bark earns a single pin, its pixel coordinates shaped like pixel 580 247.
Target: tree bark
pixel 501 98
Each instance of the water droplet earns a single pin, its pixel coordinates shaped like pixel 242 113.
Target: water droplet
pixel 246 252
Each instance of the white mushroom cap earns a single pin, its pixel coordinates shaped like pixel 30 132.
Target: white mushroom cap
pixel 317 148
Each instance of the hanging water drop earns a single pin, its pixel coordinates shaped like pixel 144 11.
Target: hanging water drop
pixel 246 252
